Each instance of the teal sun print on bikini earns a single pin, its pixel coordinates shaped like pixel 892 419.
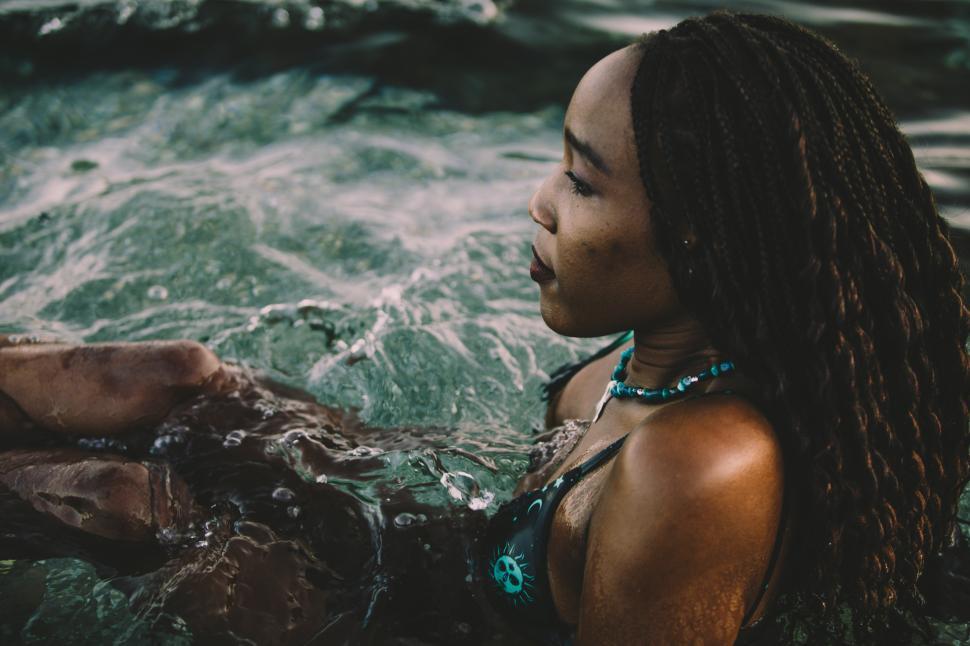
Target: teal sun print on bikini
pixel 510 572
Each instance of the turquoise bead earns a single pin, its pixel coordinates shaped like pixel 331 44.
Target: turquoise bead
pixel 622 391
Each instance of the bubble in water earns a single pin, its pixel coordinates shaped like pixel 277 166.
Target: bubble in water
pixel 357 351
pixel 405 519
pixel 101 444
pixel 485 10
pixel 234 438
pixel 282 494
pixel 163 444
pixel 125 11
pixel 462 485
pixel 52 25
pixel 265 410
pixel 292 438
pixel 314 19
pixel 278 312
pixel 459 484
pixel 157 292
pixel 364 451
pixel 281 18
pixel 209 531
pixel 481 502
pixel 322 478
pixel 293 511
pixel 167 536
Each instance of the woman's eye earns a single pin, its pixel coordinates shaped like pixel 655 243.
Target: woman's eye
pixel 579 187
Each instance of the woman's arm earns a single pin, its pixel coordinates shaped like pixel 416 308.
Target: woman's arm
pixel 101 388
pixel 684 527
pixel 100 494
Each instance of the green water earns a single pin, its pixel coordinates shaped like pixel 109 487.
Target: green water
pixel 381 263
pixel 360 235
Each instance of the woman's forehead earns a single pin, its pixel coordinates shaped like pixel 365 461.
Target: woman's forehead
pixel 599 111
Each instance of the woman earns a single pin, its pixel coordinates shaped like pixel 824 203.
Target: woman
pixel 735 193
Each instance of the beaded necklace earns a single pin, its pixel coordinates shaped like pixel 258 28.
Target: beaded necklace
pixel 617 388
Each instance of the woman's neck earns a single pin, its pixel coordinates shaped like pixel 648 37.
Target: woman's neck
pixel 666 353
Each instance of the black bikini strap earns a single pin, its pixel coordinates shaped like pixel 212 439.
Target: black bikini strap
pixel 600 457
pixel 562 374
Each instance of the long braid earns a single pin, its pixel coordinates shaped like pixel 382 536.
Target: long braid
pixel 825 270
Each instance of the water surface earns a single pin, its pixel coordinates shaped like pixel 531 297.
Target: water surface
pixel 335 193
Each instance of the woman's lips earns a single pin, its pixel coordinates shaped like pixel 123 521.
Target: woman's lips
pixel 539 271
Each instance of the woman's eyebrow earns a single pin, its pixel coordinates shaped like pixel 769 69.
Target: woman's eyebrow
pixel 586 151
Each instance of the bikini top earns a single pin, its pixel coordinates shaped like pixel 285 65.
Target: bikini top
pixel 514 562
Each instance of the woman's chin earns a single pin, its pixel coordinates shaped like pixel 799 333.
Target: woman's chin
pixel 550 314
pixel 556 319
pixel 577 322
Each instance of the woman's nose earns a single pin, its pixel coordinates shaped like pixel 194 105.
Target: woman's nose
pixel 541 211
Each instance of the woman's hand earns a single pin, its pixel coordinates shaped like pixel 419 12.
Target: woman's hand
pixel 126 511
pixel 103 495
pixel 101 389
pixel 98 389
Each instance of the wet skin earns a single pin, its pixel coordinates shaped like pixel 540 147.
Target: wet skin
pixel 182 512
pixel 692 501
pixel 667 543
pixel 160 518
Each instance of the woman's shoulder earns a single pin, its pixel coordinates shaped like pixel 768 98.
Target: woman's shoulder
pixel 690 503
pixel 722 437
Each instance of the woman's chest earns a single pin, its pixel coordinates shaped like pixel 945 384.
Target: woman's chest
pixel 566 551
pixel 584 462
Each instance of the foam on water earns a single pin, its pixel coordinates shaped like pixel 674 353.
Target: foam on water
pixel 363 239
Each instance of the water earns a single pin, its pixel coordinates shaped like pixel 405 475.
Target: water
pixel 335 193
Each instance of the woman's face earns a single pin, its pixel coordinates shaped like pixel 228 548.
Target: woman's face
pixel 594 217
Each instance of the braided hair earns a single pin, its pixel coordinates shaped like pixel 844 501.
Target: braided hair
pixel 824 269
